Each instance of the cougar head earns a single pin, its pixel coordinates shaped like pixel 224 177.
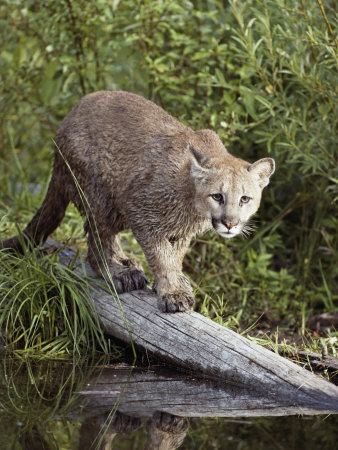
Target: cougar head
pixel 228 190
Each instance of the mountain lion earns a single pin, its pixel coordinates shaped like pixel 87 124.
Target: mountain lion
pixel 126 163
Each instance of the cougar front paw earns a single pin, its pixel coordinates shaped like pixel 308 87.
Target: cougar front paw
pixel 176 302
pixel 129 280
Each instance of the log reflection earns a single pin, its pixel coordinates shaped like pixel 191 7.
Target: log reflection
pixel 91 405
pixel 99 431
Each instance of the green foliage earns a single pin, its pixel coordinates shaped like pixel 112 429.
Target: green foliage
pixel 262 73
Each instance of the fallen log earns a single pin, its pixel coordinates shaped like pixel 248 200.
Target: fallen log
pixel 194 342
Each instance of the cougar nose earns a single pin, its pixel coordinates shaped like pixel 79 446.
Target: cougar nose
pixel 229 224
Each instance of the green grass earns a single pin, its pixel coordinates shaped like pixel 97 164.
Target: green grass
pixel 45 308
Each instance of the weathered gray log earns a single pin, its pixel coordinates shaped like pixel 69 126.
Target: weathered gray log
pixel 194 342
pixel 142 392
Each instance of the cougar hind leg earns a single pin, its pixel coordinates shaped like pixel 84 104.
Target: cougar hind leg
pixel 107 258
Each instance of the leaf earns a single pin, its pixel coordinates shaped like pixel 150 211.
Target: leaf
pixel 220 77
pixel 50 90
pixel 50 69
pixel 248 99
pixel 265 102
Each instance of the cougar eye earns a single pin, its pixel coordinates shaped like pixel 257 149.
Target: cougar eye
pixel 245 199
pixel 217 197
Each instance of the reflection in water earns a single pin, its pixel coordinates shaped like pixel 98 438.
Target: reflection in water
pixel 35 398
pixel 99 431
pixel 50 405
pixel 164 431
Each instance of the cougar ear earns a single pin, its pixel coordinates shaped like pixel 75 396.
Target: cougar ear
pixel 263 169
pixel 199 164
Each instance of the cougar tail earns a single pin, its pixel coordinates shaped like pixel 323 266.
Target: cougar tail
pixel 47 218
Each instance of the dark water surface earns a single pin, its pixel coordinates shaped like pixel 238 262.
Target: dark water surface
pixel 63 405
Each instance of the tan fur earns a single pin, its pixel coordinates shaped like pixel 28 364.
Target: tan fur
pixel 140 168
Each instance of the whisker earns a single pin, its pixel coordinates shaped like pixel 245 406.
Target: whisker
pixel 248 229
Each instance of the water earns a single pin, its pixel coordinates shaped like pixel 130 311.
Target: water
pixel 61 405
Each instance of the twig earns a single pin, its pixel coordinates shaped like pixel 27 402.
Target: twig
pixel 321 6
